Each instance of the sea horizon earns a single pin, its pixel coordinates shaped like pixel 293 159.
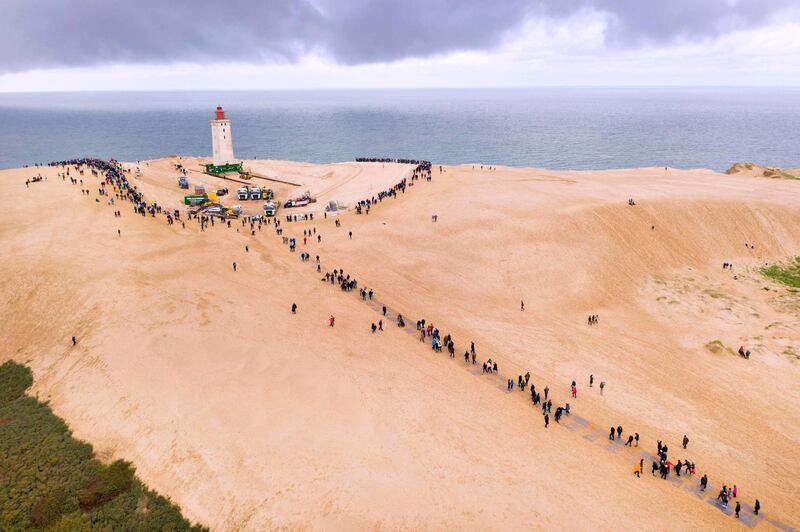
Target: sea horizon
pixel 575 128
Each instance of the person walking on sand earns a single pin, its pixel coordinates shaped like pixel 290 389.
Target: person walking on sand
pixel 737 509
pixel 756 507
pixel 522 305
pixel 636 437
pixel 546 420
pixel 685 441
pixel 619 431
pixel 546 391
pixel 630 441
pixel 638 470
pixel 591 380
pixel 703 482
pixel 351 235
pixel 611 434
pixel 294 308
pixel 374 327
pixel 384 310
pixel 574 391
pixel 331 320
pixel 74 341
pixel 602 385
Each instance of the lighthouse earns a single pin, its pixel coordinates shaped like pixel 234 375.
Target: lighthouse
pixel 221 139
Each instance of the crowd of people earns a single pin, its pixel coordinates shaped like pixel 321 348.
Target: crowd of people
pixel 114 176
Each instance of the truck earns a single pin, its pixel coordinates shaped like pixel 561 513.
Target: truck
pixel 183 182
pixel 266 193
pixel 297 202
pixel 243 193
pixel 255 193
pixel 195 200
pixel 270 209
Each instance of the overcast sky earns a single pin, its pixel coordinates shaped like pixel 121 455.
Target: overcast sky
pixel 292 44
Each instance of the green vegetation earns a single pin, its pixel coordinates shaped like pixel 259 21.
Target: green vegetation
pixel 49 480
pixel 778 173
pixel 786 273
pixel 717 347
pixel 791 353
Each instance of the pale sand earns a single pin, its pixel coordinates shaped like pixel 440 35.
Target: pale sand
pixel 251 418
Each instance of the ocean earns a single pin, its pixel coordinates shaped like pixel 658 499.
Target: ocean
pixel 576 128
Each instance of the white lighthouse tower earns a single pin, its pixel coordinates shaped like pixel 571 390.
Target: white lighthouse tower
pixel 221 139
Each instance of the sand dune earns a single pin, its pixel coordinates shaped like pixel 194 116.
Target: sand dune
pixel 252 418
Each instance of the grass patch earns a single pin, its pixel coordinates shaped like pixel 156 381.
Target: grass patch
pixel 51 480
pixel 791 353
pixel 716 294
pixel 718 347
pixel 715 347
pixel 787 273
pixel 778 173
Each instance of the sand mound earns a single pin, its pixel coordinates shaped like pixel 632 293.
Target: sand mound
pixel 752 169
pixel 250 417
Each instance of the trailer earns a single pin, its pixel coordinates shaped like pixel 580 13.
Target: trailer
pixel 195 200
pixel 297 202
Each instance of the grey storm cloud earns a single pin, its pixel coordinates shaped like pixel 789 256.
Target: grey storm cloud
pixel 65 33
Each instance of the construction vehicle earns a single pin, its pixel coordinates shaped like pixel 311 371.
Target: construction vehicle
pixel 243 193
pixel 183 182
pixel 195 200
pixel 266 193
pixel 245 174
pixel 214 169
pixel 270 208
pixel 302 201
pixel 255 193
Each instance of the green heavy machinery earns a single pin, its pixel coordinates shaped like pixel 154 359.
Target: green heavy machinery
pixel 214 169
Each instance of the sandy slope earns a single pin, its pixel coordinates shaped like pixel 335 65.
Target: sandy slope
pixel 251 418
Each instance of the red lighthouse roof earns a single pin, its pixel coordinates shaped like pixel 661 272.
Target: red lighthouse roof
pixel 220 113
